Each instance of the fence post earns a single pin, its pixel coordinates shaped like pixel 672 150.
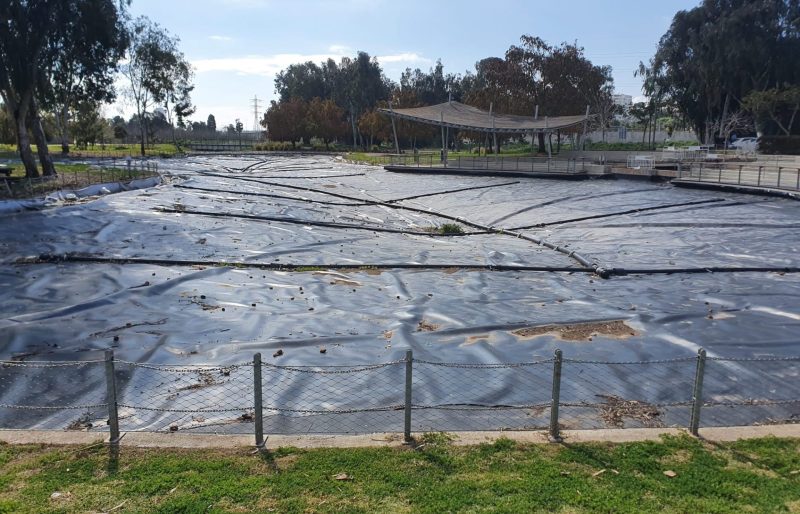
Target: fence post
pixel 555 436
pixel 697 393
pixel 739 180
pixel 407 420
pixel 798 179
pixel 258 401
pixel 111 399
pixel 759 176
pixel 719 176
pixel 780 169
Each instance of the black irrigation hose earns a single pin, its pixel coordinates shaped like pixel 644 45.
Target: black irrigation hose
pixel 473 188
pixel 569 253
pixel 315 176
pixel 330 224
pixel 49 258
pixel 708 269
pixel 352 204
pixel 270 195
pixel 620 213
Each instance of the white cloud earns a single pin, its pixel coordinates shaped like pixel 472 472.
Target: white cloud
pixel 406 57
pixel 270 65
pixel 220 38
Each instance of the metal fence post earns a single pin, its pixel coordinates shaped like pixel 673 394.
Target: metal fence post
pixel 407 420
pixel 780 169
pixel 697 394
pixel 111 399
pixel 739 180
pixel 554 435
pixel 759 176
pixel 258 401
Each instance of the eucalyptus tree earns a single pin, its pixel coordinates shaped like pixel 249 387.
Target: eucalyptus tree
pixel 83 58
pixel 54 52
pixel 23 37
pixel 716 54
pixel 156 70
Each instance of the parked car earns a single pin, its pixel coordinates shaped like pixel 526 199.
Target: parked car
pixel 745 144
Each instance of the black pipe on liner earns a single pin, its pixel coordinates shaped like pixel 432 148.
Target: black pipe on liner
pixel 601 272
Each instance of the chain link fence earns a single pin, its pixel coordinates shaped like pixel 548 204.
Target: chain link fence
pixel 70 179
pixel 408 395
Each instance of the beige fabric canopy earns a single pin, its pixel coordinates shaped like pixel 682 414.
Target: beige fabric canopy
pixel 460 116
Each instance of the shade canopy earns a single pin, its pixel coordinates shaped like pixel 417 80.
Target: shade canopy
pixel 461 116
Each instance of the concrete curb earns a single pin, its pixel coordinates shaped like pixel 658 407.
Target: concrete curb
pixel 736 188
pixel 378 440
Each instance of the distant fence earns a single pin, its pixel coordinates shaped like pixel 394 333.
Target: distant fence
pixel 407 395
pixel 750 174
pixel 113 170
pixel 510 163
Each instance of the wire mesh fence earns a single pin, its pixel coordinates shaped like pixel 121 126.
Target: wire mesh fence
pixel 407 395
pixel 756 174
pixel 73 178
pixel 497 163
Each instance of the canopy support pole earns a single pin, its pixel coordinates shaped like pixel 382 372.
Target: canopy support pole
pixel 394 131
pixel 488 140
pixel 549 141
pixel 585 127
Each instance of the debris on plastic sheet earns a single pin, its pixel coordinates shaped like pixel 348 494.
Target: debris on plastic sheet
pixel 427 326
pixel 615 410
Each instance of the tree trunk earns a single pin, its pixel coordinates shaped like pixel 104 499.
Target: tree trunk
pixel 48 170
pixel 64 129
pixel 353 125
pixel 541 142
pixel 24 142
pixel 143 131
pixel 722 120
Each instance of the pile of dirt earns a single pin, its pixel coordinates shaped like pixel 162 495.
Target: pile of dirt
pixel 579 331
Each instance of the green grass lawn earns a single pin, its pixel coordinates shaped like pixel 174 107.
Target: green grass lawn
pixel 108 150
pixel 760 475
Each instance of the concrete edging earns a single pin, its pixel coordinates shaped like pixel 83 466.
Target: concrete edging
pixel 377 440
pixel 737 188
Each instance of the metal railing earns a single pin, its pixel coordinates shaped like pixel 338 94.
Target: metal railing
pixel 488 163
pixel 751 174
pixel 407 395
pixel 114 170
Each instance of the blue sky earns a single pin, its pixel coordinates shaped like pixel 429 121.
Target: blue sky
pixel 237 46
